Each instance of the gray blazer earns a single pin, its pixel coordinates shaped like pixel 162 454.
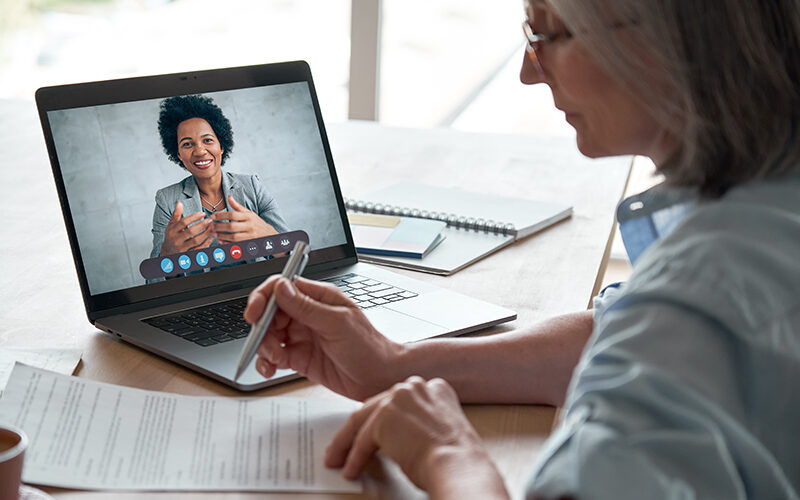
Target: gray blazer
pixel 245 188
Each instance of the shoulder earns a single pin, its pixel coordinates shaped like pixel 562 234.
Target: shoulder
pixel 249 183
pixel 240 178
pixel 732 257
pixel 173 191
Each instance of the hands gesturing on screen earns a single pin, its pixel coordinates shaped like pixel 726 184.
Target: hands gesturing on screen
pixel 322 334
pixel 239 224
pixel 186 233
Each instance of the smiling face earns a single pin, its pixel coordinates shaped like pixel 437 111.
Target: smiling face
pixel 608 119
pixel 199 149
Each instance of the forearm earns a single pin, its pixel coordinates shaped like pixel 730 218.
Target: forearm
pixel 526 366
pixel 456 475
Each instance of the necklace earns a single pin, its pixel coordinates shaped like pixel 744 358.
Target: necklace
pixel 213 206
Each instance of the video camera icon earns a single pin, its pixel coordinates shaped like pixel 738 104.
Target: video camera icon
pixel 184 261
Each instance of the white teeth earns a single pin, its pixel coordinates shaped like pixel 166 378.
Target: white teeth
pixel 202 163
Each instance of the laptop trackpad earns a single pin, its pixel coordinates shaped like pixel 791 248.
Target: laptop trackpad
pixel 401 327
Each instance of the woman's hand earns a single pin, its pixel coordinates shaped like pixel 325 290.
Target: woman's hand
pixel 420 426
pixel 323 335
pixel 180 237
pixel 239 224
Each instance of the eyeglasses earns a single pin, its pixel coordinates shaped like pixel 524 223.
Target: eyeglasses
pixel 536 40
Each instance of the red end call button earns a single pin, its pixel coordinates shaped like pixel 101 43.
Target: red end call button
pixel 236 252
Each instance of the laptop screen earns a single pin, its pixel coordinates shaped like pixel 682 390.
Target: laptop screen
pixel 170 188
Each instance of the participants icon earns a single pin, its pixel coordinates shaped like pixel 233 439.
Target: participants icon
pixel 219 254
pixel 236 252
pixel 184 261
pixel 201 258
pixel 166 265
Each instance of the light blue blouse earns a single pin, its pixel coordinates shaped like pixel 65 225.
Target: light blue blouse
pixel 690 384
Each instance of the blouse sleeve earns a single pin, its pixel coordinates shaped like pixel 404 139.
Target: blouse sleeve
pixel 661 415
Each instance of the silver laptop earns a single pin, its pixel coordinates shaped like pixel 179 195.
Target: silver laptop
pixel 123 158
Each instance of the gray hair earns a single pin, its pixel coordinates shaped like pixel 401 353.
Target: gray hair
pixel 727 74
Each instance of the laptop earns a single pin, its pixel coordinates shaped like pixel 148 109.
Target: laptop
pixel 125 152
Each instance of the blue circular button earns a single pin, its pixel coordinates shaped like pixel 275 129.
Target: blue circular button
pixel 166 265
pixel 184 261
pixel 201 258
pixel 219 255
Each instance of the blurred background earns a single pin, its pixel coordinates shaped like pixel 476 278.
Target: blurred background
pixel 448 63
pixel 444 63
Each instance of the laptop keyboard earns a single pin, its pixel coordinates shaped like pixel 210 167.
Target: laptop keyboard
pixel 367 292
pixel 223 322
pixel 207 325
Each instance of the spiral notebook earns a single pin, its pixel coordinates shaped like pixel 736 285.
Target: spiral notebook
pixel 477 224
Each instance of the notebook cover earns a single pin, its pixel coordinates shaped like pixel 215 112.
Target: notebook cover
pixel 527 216
pixel 395 236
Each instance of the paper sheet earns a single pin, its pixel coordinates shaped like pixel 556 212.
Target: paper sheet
pixel 57 360
pixel 91 435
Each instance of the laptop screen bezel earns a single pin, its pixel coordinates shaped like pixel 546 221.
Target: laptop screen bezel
pixel 90 94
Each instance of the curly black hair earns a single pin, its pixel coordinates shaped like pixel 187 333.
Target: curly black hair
pixel 174 110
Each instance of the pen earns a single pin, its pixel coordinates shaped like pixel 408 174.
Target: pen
pixel 294 266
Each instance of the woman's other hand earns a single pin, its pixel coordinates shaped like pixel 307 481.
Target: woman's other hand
pixel 323 335
pixel 419 425
pixel 239 224
pixel 186 233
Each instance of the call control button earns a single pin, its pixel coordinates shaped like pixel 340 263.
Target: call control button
pixel 166 265
pixel 219 254
pixel 201 258
pixel 236 252
pixel 184 261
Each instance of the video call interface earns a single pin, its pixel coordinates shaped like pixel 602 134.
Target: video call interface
pixel 167 188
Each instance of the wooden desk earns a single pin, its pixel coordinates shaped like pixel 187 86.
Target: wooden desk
pixel 554 272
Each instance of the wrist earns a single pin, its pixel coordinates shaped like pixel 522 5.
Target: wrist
pixel 405 361
pixel 462 471
pixel 394 362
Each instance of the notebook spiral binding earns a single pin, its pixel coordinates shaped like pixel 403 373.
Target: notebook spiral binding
pixel 453 220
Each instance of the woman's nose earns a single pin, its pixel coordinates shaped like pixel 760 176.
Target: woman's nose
pixel 529 73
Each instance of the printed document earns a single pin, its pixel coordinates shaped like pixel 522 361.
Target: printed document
pixel 90 435
pixel 58 360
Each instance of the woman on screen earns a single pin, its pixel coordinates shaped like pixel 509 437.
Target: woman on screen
pixel 681 382
pixel 211 206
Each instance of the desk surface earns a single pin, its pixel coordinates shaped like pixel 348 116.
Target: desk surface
pixel 553 272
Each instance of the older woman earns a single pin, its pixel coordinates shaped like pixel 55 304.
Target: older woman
pixel 221 206
pixel 681 383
